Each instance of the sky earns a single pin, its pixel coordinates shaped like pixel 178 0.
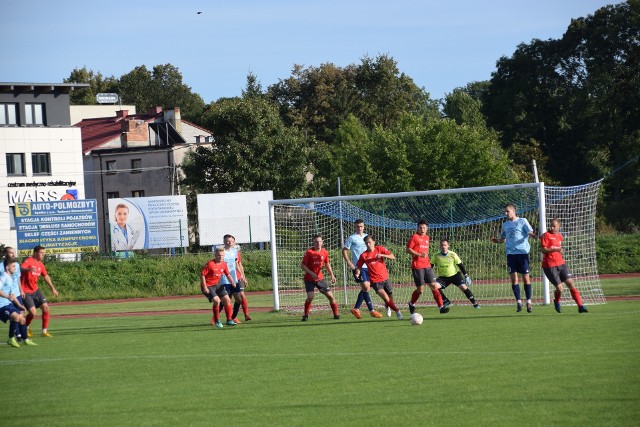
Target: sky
pixel 440 44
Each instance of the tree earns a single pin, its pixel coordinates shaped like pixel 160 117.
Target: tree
pixel 577 97
pixel 253 151
pixel 98 84
pixel 463 109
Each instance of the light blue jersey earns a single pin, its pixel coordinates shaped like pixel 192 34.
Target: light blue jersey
pixel 516 233
pixel 355 243
pixel 6 286
pixel 230 257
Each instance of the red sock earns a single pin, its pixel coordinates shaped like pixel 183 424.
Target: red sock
pixel 216 313
pixel 437 297
pixel 245 307
pixel 392 305
pixel 556 295
pixel 228 311
pixel 29 318
pixel 414 296
pixel 307 307
pixel 45 319
pixel 575 294
pixel 334 308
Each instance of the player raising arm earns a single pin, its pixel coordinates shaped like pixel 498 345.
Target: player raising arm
pixel 312 262
pixel 374 258
pixel 555 268
pixel 451 270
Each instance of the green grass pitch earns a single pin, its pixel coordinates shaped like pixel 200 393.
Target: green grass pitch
pixel 468 367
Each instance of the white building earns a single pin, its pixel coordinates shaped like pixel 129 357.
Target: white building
pixel 40 152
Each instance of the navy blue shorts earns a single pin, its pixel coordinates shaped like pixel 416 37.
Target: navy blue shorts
pixel 7 311
pixel 239 287
pixel 518 263
pixel 363 277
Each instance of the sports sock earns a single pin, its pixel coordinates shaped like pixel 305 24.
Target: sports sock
pixel 245 307
pixel 23 331
pixel 236 309
pixel 527 291
pixel 45 320
pixel 392 305
pixel 556 296
pixel 367 300
pixel 216 313
pixel 516 291
pixel 437 297
pixel 470 296
pixel 228 312
pixel 575 294
pixel 29 318
pixel 444 297
pixel 12 328
pixel 414 296
pixel 334 308
pixel 359 300
pixel 307 307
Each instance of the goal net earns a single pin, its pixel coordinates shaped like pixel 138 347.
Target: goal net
pixel 467 217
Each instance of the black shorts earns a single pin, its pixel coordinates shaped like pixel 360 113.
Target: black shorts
pixel 322 286
pixel 35 299
pixel 457 279
pixel 558 274
pixel 382 285
pixel 215 290
pixel 239 287
pixel 422 276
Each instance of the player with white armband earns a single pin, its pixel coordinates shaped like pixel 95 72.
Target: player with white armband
pixel 452 271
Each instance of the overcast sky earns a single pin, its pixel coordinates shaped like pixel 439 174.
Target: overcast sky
pixel 440 44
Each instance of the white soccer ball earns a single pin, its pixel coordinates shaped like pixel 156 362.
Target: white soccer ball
pixel 416 319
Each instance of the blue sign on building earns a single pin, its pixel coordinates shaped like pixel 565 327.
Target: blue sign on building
pixel 62 226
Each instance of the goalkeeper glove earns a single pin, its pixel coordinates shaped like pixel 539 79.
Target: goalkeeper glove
pixel 467 280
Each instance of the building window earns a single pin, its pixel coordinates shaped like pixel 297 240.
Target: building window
pixel 12 218
pixel 41 163
pixel 34 114
pixel 113 194
pixel 135 165
pixel 8 114
pixel 137 193
pixel 111 166
pixel 15 164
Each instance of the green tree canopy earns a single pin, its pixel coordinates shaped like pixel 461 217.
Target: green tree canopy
pixel 98 84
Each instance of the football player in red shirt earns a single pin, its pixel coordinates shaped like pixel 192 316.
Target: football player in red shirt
pixel 555 268
pixel 418 248
pixel 312 262
pixel 32 269
pixel 214 290
pixel 374 258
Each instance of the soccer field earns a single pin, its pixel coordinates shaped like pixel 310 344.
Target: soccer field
pixel 483 367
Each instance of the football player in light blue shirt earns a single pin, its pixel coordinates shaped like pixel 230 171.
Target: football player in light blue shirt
pixel 8 253
pixel 355 244
pixel 10 307
pixel 516 232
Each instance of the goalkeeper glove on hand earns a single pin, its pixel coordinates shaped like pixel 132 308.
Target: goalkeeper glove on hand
pixel 467 280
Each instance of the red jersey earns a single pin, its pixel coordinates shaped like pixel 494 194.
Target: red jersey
pixel 213 271
pixel 419 244
pixel 239 275
pixel 552 259
pixel 314 260
pixel 376 267
pixel 29 280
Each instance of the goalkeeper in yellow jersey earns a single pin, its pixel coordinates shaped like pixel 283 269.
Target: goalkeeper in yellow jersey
pixel 451 270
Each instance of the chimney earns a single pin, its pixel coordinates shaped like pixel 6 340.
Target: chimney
pixel 173 116
pixel 122 113
pixel 155 110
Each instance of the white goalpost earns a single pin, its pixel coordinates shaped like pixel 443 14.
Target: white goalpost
pixel 467 217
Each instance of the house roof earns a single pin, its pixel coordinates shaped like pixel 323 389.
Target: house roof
pixel 99 131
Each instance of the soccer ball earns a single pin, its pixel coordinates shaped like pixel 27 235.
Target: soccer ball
pixel 416 319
